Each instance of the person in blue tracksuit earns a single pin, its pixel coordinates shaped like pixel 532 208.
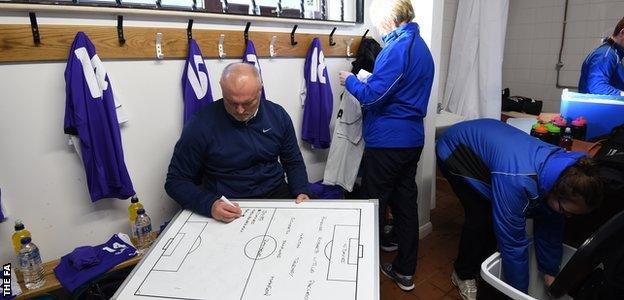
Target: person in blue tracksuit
pixel 503 176
pixel 603 69
pixel 237 147
pixel 394 103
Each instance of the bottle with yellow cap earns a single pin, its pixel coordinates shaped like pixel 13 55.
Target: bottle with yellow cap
pixel 20 232
pixel 132 213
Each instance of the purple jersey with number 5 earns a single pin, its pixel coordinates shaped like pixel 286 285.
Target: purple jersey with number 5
pixel 318 100
pixel 90 114
pixel 195 82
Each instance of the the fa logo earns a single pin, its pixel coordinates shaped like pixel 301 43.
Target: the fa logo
pixel 6 280
pixel 117 248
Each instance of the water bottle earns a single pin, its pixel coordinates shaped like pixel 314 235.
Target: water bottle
pixel 20 232
pixel 132 214
pixel 30 264
pixel 579 128
pixel 566 140
pixel 143 233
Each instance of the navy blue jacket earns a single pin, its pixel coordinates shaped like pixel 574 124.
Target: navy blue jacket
pixel 515 171
pixel 603 71
pixel 234 159
pixel 394 99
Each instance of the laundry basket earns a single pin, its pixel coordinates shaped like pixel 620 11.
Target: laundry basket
pixel 493 286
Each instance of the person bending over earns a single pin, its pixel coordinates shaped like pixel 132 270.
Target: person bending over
pixel 502 176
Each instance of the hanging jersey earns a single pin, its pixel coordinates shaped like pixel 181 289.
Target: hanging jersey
pixel 319 99
pixel 347 147
pixel 195 82
pixel 115 251
pixel 250 57
pixel 90 114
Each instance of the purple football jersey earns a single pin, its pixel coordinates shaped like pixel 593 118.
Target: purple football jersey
pixel 90 114
pixel 109 254
pixel 250 57
pixel 195 82
pixel 318 100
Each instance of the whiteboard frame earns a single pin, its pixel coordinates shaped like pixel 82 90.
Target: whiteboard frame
pixel 376 246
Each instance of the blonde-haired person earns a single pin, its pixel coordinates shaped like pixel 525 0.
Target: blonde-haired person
pixel 394 103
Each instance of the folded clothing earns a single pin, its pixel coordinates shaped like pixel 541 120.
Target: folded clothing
pixel 115 251
pixel 83 257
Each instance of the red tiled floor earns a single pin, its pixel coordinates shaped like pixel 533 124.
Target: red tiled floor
pixel 436 253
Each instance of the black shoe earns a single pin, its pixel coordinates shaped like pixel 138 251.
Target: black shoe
pixel 388 239
pixel 406 283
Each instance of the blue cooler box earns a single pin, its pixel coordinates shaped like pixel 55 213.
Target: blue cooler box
pixel 601 111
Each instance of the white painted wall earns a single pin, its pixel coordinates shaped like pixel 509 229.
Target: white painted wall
pixel 534 36
pixel 42 179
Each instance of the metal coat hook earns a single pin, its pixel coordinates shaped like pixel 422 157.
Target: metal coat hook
pixel 272 51
pixel 35 28
pixel 120 33
pixel 159 51
pixel 221 48
pixel 247 32
pixel 365 33
pixel 292 36
pixel 189 29
pixel 331 37
pixel 159 3
pixel 118 2
pixel 349 42
pixel 194 5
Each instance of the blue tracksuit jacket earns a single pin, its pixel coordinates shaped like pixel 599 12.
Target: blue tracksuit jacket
pixel 394 99
pixel 234 159
pixel 515 171
pixel 603 71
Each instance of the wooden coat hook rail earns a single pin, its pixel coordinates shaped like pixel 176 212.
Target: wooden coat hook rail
pixel 124 42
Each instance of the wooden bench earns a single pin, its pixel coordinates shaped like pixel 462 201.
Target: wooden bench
pixel 51 282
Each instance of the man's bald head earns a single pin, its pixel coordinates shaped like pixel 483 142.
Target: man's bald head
pixel 241 86
pixel 240 74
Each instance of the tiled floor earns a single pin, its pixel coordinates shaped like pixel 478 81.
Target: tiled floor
pixel 436 254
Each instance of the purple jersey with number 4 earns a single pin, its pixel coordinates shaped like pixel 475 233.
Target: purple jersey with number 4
pixel 250 57
pixel 195 82
pixel 90 114
pixel 318 100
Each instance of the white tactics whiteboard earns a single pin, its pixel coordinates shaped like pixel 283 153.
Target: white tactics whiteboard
pixel 277 250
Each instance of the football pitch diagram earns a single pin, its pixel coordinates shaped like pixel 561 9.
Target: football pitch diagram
pixel 274 251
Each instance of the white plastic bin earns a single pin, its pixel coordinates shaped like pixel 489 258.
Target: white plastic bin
pixel 492 275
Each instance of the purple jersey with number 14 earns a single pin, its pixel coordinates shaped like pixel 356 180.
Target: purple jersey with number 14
pixel 195 82
pixel 90 114
pixel 108 255
pixel 318 100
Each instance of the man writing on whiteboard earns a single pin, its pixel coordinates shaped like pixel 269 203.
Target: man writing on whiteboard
pixel 231 148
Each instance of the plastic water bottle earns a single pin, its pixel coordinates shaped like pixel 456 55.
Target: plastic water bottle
pixel 143 233
pixel 30 264
pixel 566 140
pixel 20 232
pixel 132 214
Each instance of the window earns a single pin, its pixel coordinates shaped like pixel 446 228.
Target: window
pixel 332 10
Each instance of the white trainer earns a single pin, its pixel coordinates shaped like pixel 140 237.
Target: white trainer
pixel 467 288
